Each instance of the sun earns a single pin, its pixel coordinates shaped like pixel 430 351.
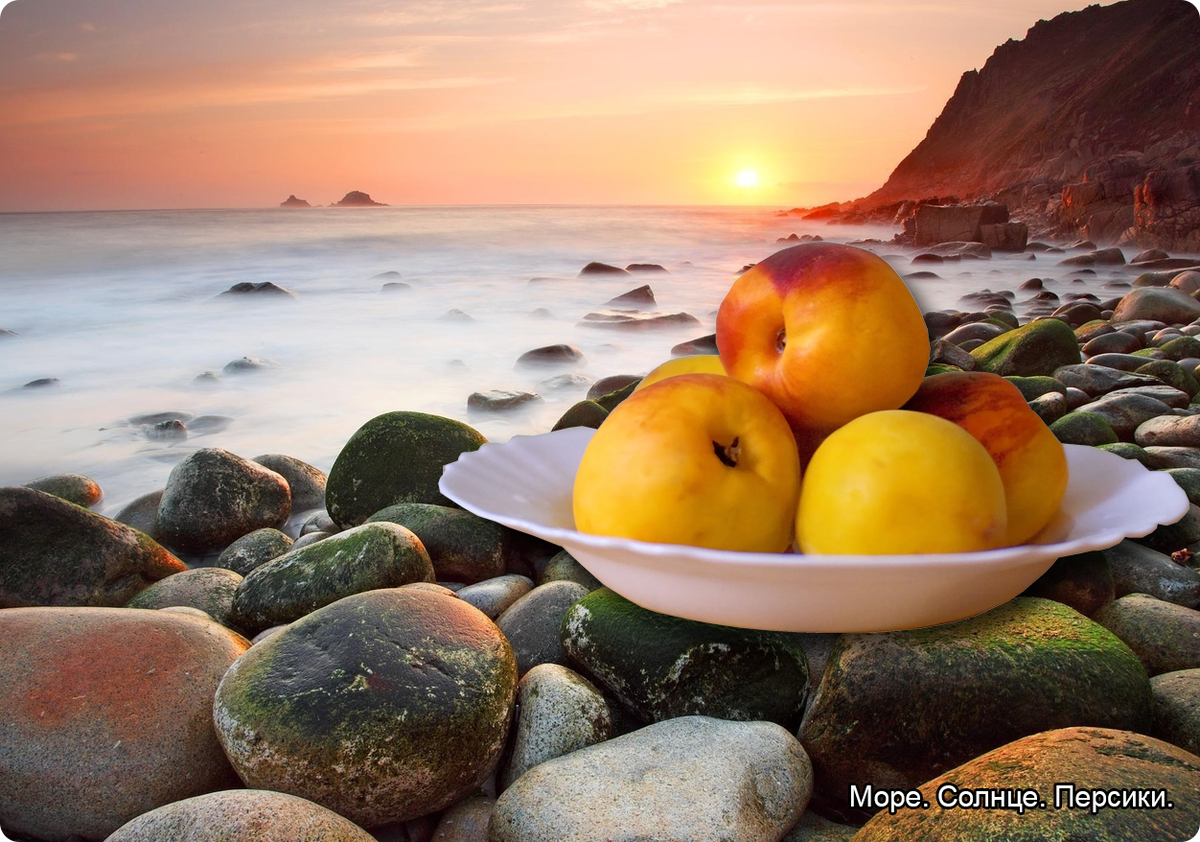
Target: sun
pixel 747 178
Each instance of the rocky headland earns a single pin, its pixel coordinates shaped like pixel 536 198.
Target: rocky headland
pixel 1087 128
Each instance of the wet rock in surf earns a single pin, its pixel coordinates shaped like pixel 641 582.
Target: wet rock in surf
pixel 701 345
pixel 640 297
pixel 633 320
pixel 264 289
pixel 561 354
pixel 597 268
pixel 249 365
pixel 500 400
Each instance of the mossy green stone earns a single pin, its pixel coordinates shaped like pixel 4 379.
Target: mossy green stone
pixel 462 546
pixel 1086 758
pixel 1189 480
pixel 1037 348
pixel 382 706
pixel 1128 450
pixel 396 457
pixel 898 708
pixel 609 402
pixel 367 557
pixel 1034 387
pixel 582 414
pixel 1004 319
pixel 1173 374
pixel 1181 347
pixel 662 666
pixel 1083 428
pixel 1092 329
pixel 1148 353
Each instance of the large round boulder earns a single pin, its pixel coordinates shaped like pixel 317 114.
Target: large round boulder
pixel 394 458
pixel 896 709
pixel 56 553
pixel 382 706
pixel 692 777
pixel 1162 304
pixel 213 497
pixel 463 546
pixel 1067 772
pixel 107 715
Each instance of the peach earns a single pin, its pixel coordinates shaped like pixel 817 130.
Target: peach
pixel 1031 460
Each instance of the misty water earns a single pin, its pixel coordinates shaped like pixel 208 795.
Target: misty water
pixel 122 309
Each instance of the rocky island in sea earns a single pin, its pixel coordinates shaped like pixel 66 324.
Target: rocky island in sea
pixel 357 199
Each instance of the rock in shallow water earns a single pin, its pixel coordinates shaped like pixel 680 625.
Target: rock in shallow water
pixel 383 706
pixel 241 815
pixel 306 483
pixel 56 553
pixel 108 714
pixel 684 779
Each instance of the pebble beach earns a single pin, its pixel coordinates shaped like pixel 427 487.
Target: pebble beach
pixel 225 625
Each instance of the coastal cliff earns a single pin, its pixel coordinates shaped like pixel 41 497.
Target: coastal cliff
pixel 1089 127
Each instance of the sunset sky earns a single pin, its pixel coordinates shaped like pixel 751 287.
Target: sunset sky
pixel 228 103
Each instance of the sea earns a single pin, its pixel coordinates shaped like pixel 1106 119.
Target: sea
pixel 120 316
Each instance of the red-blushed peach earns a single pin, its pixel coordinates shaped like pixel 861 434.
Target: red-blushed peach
pixel 697 459
pixel 828 332
pixel 1031 460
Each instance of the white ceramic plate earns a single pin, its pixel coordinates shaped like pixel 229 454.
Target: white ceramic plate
pixel 526 484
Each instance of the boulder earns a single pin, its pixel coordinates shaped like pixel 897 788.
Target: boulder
pixel 639 298
pixel 1139 569
pixel 213 497
pixel 253 550
pixel 1177 708
pixel 661 666
pixel 364 558
pixel 586 413
pixel 394 458
pixel 495 596
pixel 208 589
pixel 1083 428
pixel 597 268
pixel 1084 761
pixel 462 546
pixel 1165 636
pixel 241 815
pixel 635 320
pixel 1098 380
pixel 1027 666
pixel 1169 431
pixel 1082 581
pixel 501 400
pixel 142 513
pixel 382 706
pixel 558 712
pixel 107 715
pixel 57 553
pixel 552 355
pixel 687 778
pixel 74 488
pixel 1164 304
pixel 1039 347
pixel 532 623
pixel 263 289
pixel 1125 411
pixel 306 483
